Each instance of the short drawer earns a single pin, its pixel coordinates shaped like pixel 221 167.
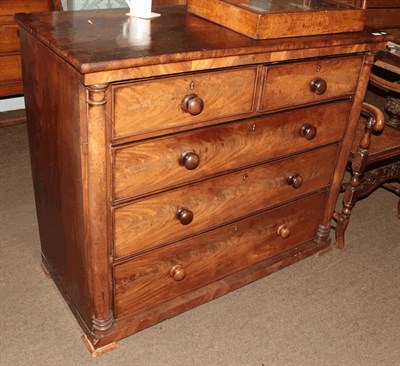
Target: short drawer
pixel 147 106
pixel 164 274
pixel 309 82
pixel 10 67
pixel 159 164
pixel 9 40
pixel 179 213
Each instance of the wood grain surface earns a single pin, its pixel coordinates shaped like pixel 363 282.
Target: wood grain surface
pixel 150 222
pixel 340 75
pixel 280 19
pixel 149 166
pixel 145 281
pixel 10 59
pixel 258 196
pixel 137 106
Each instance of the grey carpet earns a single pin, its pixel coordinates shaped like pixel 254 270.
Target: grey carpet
pixel 340 309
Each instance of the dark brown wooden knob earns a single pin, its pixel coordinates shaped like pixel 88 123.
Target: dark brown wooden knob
pixel 295 180
pixel 283 231
pixel 318 86
pixel 192 104
pixel 184 215
pixel 308 131
pixel 190 160
pixel 177 272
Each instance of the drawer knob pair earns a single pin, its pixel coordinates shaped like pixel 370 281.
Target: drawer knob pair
pixel 192 104
pixel 318 86
pixel 177 272
pixel 308 131
pixel 184 215
pixel 295 180
pixel 190 160
pixel 283 231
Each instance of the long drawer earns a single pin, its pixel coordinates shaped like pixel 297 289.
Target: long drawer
pixel 172 271
pixel 160 164
pixel 9 41
pixel 151 105
pixel 309 82
pixel 10 67
pixel 179 213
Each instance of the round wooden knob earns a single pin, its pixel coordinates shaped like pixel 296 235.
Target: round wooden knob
pixel 283 231
pixel 308 131
pixel 318 86
pixel 190 160
pixel 192 104
pixel 184 215
pixel 177 272
pixel 295 180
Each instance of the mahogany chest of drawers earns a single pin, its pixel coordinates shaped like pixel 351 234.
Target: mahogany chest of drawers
pixel 174 164
pixel 10 58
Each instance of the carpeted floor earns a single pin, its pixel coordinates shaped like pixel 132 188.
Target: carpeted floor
pixel 340 309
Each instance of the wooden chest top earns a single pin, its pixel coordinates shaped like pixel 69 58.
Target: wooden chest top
pixel 101 40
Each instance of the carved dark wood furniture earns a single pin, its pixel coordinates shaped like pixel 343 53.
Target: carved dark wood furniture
pixel 175 167
pixel 389 83
pixel 374 161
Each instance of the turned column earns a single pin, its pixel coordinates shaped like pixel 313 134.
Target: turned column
pixel 99 247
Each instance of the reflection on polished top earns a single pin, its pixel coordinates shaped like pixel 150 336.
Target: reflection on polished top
pixel 100 40
pixel 284 6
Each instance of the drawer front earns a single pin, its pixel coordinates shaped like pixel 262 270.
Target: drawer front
pixel 309 82
pixel 167 217
pixel 25 6
pixel 9 40
pixel 178 101
pixel 10 67
pixel 149 279
pixel 159 164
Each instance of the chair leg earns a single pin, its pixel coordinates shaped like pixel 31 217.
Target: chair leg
pixel 342 219
pixel 341 226
pixel 352 191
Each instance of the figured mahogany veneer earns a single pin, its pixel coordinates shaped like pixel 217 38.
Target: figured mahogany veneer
pixel 219 200
pixel 146 280
pixel 216 93
pixel 171 171
pixel 316 81
pixel 154 165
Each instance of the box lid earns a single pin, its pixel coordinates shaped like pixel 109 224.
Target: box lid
pixel 263 19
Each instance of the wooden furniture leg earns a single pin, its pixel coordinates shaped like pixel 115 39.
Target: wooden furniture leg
pixel 355 188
